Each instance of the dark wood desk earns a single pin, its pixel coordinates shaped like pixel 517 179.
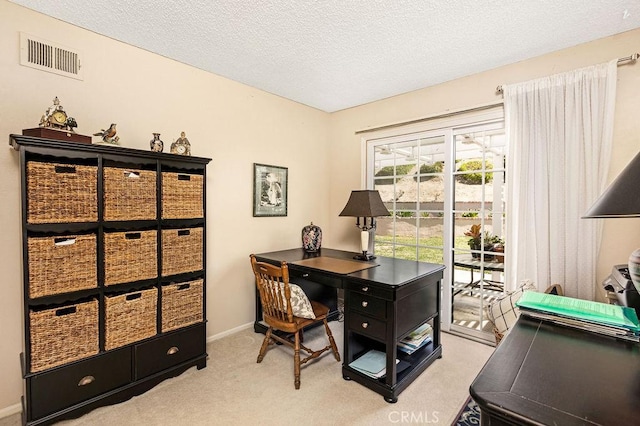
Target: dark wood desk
pixel 383 303
pixel 548 374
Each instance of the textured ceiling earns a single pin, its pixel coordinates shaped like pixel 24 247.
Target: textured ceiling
pixel 335 54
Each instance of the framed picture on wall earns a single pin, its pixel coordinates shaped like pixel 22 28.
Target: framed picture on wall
pixel 270 188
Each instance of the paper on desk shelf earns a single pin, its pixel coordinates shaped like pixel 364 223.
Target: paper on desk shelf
pixel 600 313
pixel 373 363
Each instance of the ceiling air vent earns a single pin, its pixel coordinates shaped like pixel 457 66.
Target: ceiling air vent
pixel 47 56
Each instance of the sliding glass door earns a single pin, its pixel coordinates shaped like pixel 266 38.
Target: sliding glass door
pixel 478 222
pixel 444 189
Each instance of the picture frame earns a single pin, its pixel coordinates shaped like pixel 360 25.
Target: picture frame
pixel 270 190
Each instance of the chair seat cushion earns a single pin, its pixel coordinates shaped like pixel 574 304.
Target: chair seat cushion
pixel 300 304
pixel 319 310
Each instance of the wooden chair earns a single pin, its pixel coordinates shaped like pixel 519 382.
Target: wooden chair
pixel 279 315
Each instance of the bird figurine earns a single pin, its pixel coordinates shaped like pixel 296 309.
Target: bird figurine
pixel 108 135
pixel 71 124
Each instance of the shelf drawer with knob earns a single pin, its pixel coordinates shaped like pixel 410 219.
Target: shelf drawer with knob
pixel 316 277
pixel 367 304
pixel 367 326
pixel 370 290
pixel 169 350
pixel 66 386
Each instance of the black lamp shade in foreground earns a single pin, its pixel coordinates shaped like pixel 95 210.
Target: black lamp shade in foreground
pixel 622 199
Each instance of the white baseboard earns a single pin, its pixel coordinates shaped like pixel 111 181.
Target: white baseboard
pixel 229 332
pixel 10 410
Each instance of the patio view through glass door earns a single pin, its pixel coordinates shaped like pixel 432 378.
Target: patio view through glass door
pixel 444 190
pixel 478 222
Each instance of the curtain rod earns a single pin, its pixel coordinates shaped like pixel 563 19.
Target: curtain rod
pixel 631 58
pixel 431 117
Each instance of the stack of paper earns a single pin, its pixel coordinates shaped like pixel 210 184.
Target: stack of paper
pixel 373 363
pixel 418 338
pixel 612 320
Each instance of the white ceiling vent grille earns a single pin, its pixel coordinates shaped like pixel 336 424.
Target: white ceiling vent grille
pixel 47 56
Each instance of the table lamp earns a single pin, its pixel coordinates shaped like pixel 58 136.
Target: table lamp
pixel 365 204
pixel 622 199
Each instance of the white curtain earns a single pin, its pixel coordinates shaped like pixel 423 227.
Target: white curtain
pixel 560 130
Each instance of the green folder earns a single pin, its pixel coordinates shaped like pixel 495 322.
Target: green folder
pixel 586 310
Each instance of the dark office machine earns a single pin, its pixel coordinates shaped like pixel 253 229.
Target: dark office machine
pixel 619 282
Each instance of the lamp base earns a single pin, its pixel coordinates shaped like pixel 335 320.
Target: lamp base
pixel 364 256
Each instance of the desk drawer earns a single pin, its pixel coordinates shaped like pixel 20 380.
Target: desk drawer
pixel 168 351
pixel 316 277
pixel 383 293
pixel 369 305
pixel 367 326
pixel 63 387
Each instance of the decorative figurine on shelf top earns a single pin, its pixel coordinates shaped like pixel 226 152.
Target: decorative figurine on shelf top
pixel 156 144
pixel 108 136
pixel 56 118
pixel 181 146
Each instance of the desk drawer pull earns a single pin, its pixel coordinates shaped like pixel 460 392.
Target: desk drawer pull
pixel 305 275
pixel 365 324
pixel 172 350
pixel 86 380
pixel 365 288
pixel 365 303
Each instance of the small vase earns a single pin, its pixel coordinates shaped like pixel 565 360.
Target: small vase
pixel 156 144
pixel 311 238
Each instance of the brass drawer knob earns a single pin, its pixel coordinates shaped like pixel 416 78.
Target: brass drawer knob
pixel 365 303
pixel 365 324
pixel 365 288
pixel 172 350
pixel 86 380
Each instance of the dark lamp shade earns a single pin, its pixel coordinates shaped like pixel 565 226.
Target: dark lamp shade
pixel 365 203
pixel 622 197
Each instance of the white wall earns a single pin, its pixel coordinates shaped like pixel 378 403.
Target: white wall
pixel 231 123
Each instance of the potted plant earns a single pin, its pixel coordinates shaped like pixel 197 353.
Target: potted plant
pixel 498 247
pixel 490 242
pixel 475 239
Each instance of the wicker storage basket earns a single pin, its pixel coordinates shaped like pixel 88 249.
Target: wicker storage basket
pixel 59 193
pixel 182 196
pixel 181 250
pixel 63 334
pixel 181 304
pixel 61 264
pixel 130 317
pixel 130 256
pixel 129 194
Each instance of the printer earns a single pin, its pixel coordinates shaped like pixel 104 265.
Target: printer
pixel 619 282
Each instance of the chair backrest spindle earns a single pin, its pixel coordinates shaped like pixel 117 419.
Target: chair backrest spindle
pixel 273 286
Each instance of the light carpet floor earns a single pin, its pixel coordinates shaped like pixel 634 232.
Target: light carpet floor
pixel 234 390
